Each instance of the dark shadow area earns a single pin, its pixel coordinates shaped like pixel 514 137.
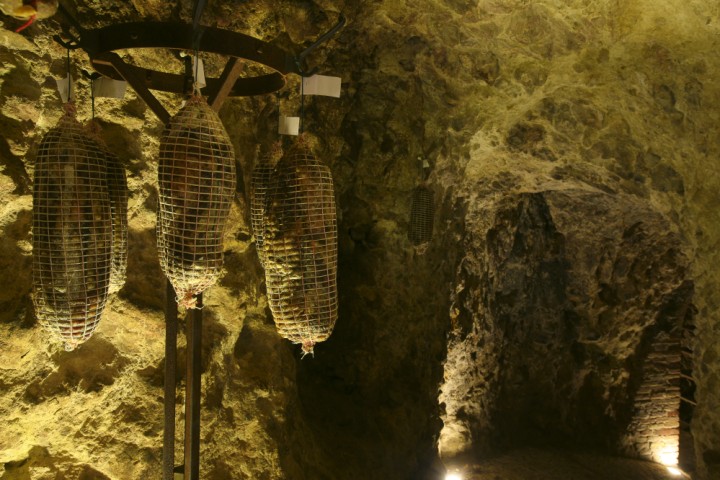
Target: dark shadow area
pixel 145 282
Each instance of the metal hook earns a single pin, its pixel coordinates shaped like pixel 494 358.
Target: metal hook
pixel 72 44
pixel 322 39
pixel 302 71
pixel 197 35
pixel 90 76
pixel 62 10
pixel 197 30
pixel 199 7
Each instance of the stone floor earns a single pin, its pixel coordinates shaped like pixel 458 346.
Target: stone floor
pixel 536 464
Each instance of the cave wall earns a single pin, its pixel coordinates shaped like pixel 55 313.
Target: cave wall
pixel 567 120
pixel 559 316
pixel 614 97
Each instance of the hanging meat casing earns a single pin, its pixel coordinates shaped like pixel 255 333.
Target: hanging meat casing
pixel 259 185
pixel 196 177
pixel 72 233
pixel 118 190
pixel 118 193
pixel 300 248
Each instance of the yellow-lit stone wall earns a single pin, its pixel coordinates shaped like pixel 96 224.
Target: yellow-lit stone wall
pixel 571 118
pixel 654 431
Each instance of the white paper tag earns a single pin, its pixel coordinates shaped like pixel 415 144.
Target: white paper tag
pixel 322 85
pixel 63 86
pixel 289 126
pixel 109 88
pixel 426 164
pixel 200 78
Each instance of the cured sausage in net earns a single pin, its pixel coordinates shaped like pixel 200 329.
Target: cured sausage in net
pixel 72 233
pixel 196 177
pixel 300 248
pixel 118 192
pixel 259 185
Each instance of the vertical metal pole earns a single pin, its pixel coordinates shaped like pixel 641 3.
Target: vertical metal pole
pixel 189 77
pixel 192 393
pixel 170 381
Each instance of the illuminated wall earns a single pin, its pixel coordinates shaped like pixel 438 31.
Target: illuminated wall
pixel 654 431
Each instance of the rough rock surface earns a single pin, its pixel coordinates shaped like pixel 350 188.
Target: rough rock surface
pixel 573 149
pixel 557 301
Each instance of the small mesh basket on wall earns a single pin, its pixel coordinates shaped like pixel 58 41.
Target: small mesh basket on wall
pixel 259 184
pixel 422 212
pixel 300 248
pixel 118 192
pixel 196 176
pixel 72 233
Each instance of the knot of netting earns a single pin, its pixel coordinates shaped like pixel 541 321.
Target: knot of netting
pixel 70 109
pixel 308 348
pixel 187 300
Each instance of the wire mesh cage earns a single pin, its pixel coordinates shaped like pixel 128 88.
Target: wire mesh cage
pixel 72 233
pixel 259 184
pixel 300 248
pixel 118 193
pixel 422 212
pixel 196 176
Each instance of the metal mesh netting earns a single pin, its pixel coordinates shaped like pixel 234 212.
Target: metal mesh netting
pixel 72 233
pixel 300 248
pixel 421 216
pixel 118 192
pixel 259 184
pixel 196 176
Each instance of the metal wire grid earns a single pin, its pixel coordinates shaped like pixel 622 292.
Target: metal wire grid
pixel 421 216
pixel 196 176
pixel 259 184
pixel 118 192
pixel 72 233
pixel 300 248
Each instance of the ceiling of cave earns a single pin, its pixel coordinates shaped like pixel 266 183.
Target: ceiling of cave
pixel 572 149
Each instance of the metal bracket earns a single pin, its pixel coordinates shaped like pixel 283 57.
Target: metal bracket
pixel 181 37
pixel 72 44
pixel 90 75
pixel 322 39
pixel 102 43
pixel 111 65
pixel 228 78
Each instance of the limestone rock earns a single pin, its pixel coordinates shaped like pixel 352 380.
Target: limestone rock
pixel 573 154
